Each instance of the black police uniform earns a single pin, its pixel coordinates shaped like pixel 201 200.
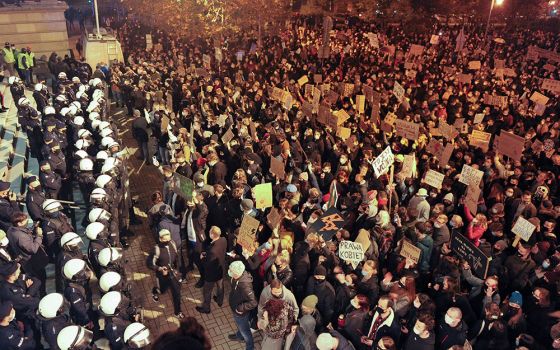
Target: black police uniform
pixel 80 303
pixel 51 327
pixel 7 210
pixel 11 338
pixel 114 331
pixel 51 182
pixel 34 203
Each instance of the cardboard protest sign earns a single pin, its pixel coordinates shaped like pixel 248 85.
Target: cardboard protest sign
pixel 510 145
pixel 409 166
pixel 263 195
pixel 317 78
pixel 478 118
pixel 509 72
pixel 332 121
pixel 410 251
pixel 464 78
pixel 434 178
pixel 446 154
pixel 363 239
pixel 408 65
pixel 206 60
pixel 408 130
pixel 551 85
pixel 448 131
pixel 383 162
pixel 499 63
pixel 434 40
pixel 227 136
pixel 470 176
pixel 480 139
pixel 523 228
pixel 388 121
pixel 277 168
pixel 416 50
pixel 435 147
pixel 331 97
pixel 247 233
pixel 303 80
pixel 218 54
pixel 277 94
pixel 375 113
pixel 185 187
pixel 539 109
pixel 351 252
pixel 323 114
pixel 495 100
pixel 466 250
pixel 307 109
pixel 316 99
pixel 273 218
pixel 398 91
pixel 368 92
pixel 287 100
pixel 361 103
pixel 327 225
pixel 343 133
pixel 449 70
pixel 201 72
pixel 341 116
pixel 472 194
pixel 537 146
pixel 474 65
pixel 539 98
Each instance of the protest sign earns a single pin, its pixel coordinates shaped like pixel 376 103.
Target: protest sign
pixel 480 139
pixel 206 61
pixel 263 195
pixel 446 155
pixel 434 178
pixel 351 252
pixel 478 118
pixel 510 145
pixel 416 50
pixel 363 239
pixel 277 94
pixel 448 131
pixel 317 78
pixel 277 168
pixel 539 109
pixel 347 89
pixel 464 78
pixel 303 80
pixel 327 225
pixel 343 133
pixel 495 100
pixel 434 40
pixel 539 98
pixel 218 54
pixel 523 229
pixel 253 131
pixel 361 103
pixel 398 91
pixel 373 40
pixel 185 187
pixel 499 63
pixel 551 85
pixel 331 97
pixel 435 148
pixel 509 72
pixel 201 72
pixel 273 218
pixel 227 136
pixel 341 116
pixel 323 114
pixel 307 109
pixel 472 194
pixel 316 99
pixel 411 74
pixel 470 176
pixel 383 162
pixel 287 100
pixel 537 147
pixel 466 250
pixel 388 121
pixel 247 233
pixel 408 130
pixel 409 166
pixel 474 65
pixel 410 251
pixel 408 65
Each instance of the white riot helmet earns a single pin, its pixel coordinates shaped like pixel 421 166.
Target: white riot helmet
pixel 84 133
pixel 62 75
pixel 97 194
pixel 96 81
pixel 109 303
pixel 79 120
pixel 64 111
pixel 95 123
pixel 75 270
pixel 108 280
pixel 49 110
pixel 93 115
pixel 76 104
pixel 38 87
pixel 51 305
pixel 97 214
pixel 106 141
pixel 70 239
pixel 94 229
pixel 72 110
pixel 61 99
pixel 81 154
pixel 104 125
pixel 113 144
pixel 23 102
pixel 103 180
pixel 106 132
pixel 102 155
pixel 74 338
pixel 12 80
pixel 92 105
pixel 137 336
pixel 86 164
pixel 109 255
pixel 97 94
pixel 51 206
pixel 107 168
pixel 82 144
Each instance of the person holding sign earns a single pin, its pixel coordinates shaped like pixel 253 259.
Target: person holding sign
pixel 477 226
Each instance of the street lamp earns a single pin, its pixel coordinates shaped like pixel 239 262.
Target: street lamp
pixel 492 4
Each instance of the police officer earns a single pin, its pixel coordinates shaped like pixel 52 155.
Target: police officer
pixel 8 206
pixel 116 304
pixel 41 96
pixel 50 180
pixel 11 337
pixel 54 225
pixel 28 117
pixel 16 88
pixel 6 255
pixel 110 259
pixel 70 248
pixel 34 198
pixel 103 216
pixel 61 83
pixel 97 234
pixel 75 338
pixel 57 160
pixel 137 336
pixel 86 180
pixel 51 314
pixel 77 292
pixel 165 262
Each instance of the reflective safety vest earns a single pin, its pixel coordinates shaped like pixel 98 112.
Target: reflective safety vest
pixel 9 55
pixel 20 60
pixel 30 59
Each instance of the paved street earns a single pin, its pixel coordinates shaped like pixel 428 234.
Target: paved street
pixel 159 316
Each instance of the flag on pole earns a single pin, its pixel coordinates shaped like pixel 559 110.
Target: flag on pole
pixel 333 198
pixel 461 39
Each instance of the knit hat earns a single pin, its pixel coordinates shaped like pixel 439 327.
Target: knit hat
pixel 236 268
pixel 449 197
pixel 291 188
pixel 164 233
pixel 310 301
pixel 325 341
pixel 247 204
pixel 516 298
pixel 320 271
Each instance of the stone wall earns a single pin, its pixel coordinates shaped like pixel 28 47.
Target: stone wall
pixel 39 25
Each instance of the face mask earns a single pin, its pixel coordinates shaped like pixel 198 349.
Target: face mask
pixel 437 225
pixel 546 264
pixel 417 304
pixel 452 224
pixel 449 321
pixel 416 330
pixel 354 304
pixel 365 273
pixel 200 184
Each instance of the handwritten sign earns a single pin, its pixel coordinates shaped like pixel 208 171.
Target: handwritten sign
pixel 510 145
pixel 416 50
pixel 434 40
pixel 247 233
pixel 263 195
pixel 398 91
pixel 351 252
pixel 434 178
pixel 551 85
pixel 446 155
pixel 407 129
pixel 273 218
pixel 410 251
pixel 539 98
pixel 383 162
pixel 388 121
pixel 480 139
pixel 361 103
pixel 409 166
pixel 448 131
pixel 523 228
pixel 472 195
pixel 277 168
pixel 303 80
pixel 474 65
pixel 466 250
pixel 478 118
pixel 495 100
pixel 470 176
pixel 464 78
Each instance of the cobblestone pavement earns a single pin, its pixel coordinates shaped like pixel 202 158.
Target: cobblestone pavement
pixel 158 316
